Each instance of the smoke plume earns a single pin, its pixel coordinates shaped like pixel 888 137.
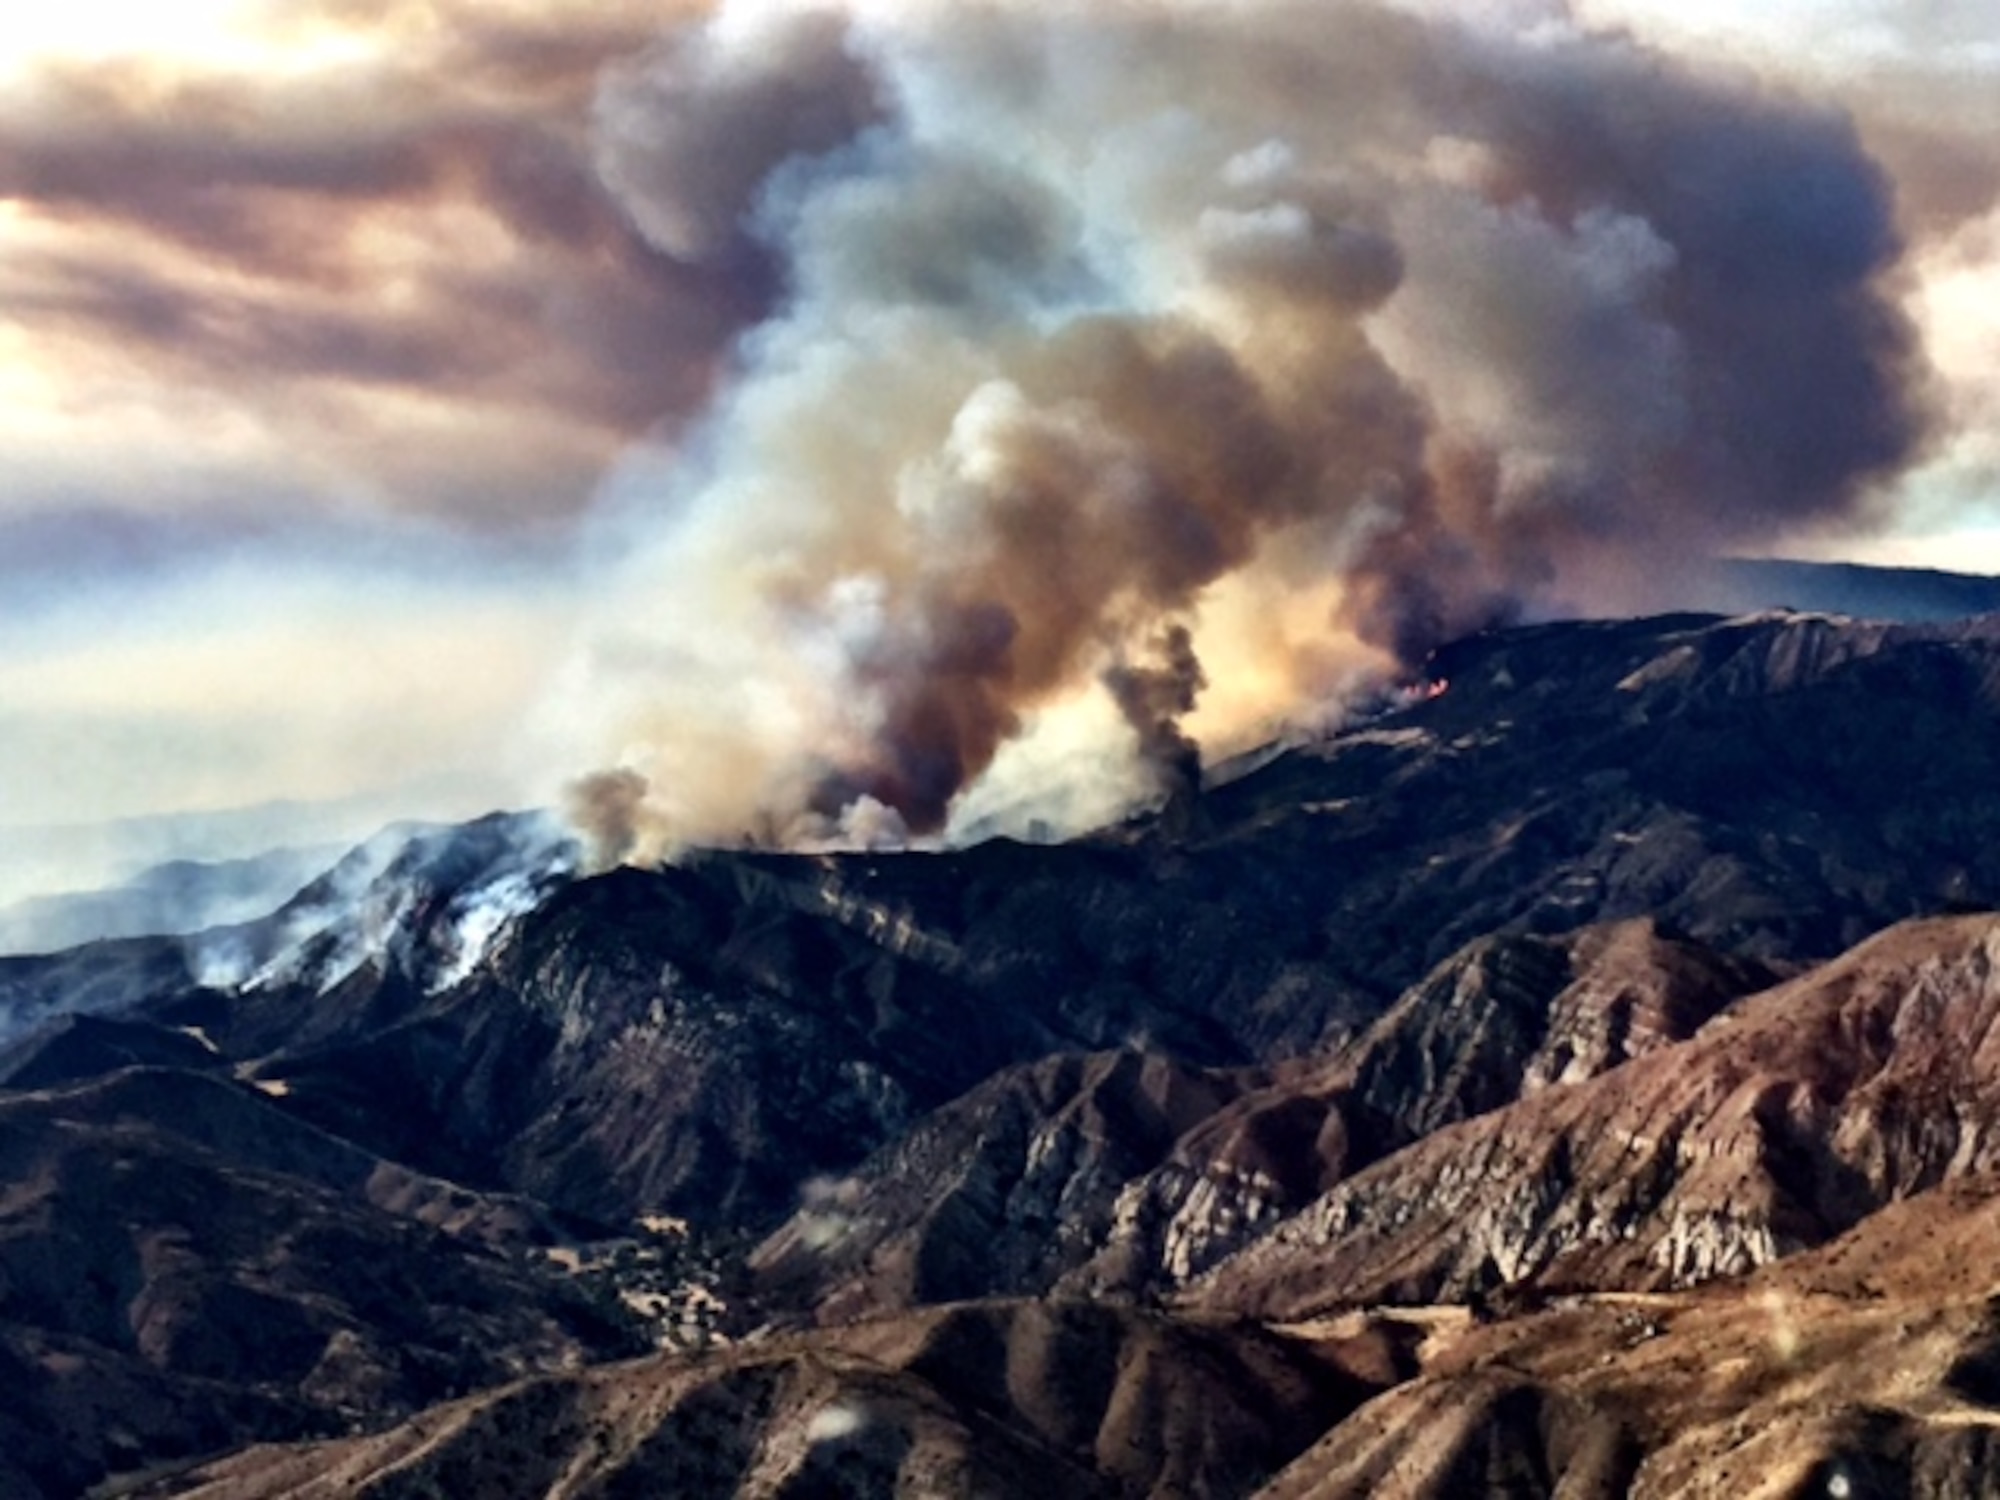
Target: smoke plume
pixel 607 809
pixel 1153 699
pixel 1087 318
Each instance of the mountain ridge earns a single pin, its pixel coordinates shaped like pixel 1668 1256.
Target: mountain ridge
pixel 1417 1114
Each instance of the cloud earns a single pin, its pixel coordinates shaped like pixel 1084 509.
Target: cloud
pixel 400 276
pixel 688 131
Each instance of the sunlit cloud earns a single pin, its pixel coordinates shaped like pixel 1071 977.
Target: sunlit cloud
pixel 232 33
pixel 387 248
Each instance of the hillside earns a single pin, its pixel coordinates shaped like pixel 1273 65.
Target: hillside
pixel 1566 1078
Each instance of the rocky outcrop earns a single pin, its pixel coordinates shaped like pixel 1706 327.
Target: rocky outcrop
pixel 1860 1368
pixel 1502 1019
pixel 1002 1192
pixel 1782 1123
pixel 1130 1173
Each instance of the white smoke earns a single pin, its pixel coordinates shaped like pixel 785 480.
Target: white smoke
pixel 426 902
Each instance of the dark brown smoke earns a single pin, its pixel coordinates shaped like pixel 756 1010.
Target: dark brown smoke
pixel 606 807
pixel 1154 696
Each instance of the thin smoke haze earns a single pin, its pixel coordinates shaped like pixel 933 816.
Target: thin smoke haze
pixel 1100 343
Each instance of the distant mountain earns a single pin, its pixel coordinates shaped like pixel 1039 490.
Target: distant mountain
pixel 415 905
pixel 87 858
pixel 181 896
pixel 1573 1081
pixel 1908 595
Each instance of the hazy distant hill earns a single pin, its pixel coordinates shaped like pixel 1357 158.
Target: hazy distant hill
pixel 180 896
pixel 1869 593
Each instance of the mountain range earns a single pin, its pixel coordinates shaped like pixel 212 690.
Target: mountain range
pixel 1579 1079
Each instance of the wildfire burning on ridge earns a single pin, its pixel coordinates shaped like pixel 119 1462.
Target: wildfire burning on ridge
pixel 1424 692
pixel 1109 346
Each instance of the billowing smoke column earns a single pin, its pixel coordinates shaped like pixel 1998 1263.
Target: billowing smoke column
pixel 1153 699
pixel 1088 314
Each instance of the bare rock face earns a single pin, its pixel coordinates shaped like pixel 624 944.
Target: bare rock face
pixel 999 1193
pixel 1633 990
pixel 1498 1021
pixel 1130 1173
pixel 1862 1368
pixel 1781 1124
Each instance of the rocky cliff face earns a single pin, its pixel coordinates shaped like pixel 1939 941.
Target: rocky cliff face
pixel 1783 1122
pixel 1500 1021
pixel 1861 1368
pixel 1486 1098
pixel 1005 1191
pixel 1129 1173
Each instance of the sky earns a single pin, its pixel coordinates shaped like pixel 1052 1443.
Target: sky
pixel 722 420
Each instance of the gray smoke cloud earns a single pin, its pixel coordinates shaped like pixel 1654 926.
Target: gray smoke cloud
pixel 1084 321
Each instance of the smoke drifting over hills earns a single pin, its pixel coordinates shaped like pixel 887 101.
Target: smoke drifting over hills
pixel 1083 316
